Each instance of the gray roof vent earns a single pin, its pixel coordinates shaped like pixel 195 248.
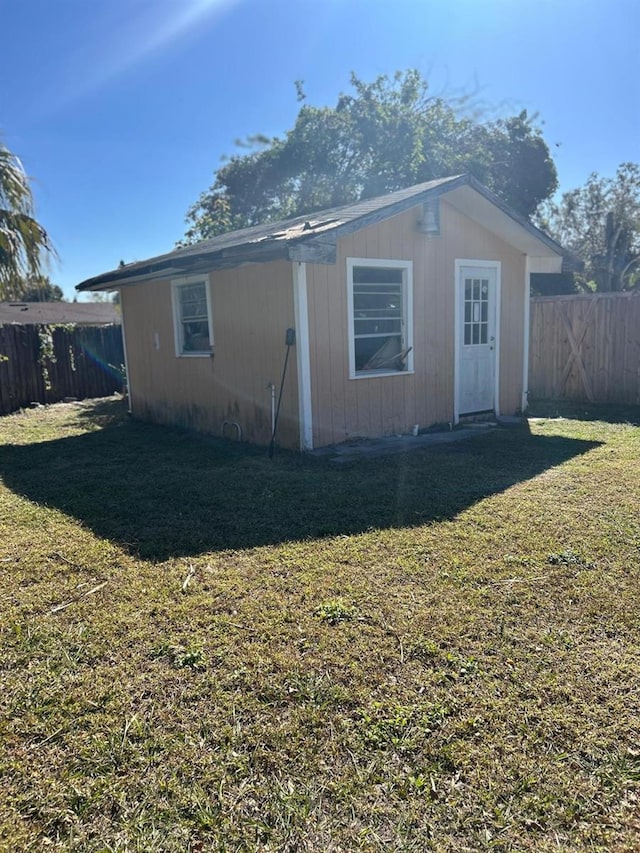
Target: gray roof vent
pixel 430 221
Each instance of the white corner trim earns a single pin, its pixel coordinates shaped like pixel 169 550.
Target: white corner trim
pixel 124 348
pixel 457 322
pixel 527 320
pixel 498 265
pixel 303 356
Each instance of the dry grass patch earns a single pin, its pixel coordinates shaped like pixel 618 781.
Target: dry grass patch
pixel 205 650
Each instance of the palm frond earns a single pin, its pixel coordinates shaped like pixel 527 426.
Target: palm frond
pixel 24 243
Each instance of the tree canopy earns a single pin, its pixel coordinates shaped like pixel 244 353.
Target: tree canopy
pixel 382 136
pixel 23 241
pixel 40 289
pixel 600 224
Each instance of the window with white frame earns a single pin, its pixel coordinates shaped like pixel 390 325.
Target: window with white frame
pixel 192 316
pixel 380 316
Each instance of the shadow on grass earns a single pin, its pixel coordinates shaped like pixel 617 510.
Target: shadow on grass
pixel 164 493
pixel 607 413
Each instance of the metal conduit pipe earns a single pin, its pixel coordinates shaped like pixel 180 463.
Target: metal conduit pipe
pixel 272 387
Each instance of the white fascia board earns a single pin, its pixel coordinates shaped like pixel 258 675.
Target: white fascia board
pixel 521 235
pixel 544 265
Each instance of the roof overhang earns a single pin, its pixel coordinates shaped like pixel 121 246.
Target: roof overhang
pixel 471 199
pixel 192 265
pixel 544 254
pixel 316 242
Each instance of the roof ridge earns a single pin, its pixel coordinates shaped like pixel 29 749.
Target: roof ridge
pixel 287 238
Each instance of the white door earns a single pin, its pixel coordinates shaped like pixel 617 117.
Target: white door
pixel 477 345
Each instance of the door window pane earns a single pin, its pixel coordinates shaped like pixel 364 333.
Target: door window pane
pixel 476 311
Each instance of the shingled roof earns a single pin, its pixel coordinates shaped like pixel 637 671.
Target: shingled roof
pixel 312 237
pixel 76 313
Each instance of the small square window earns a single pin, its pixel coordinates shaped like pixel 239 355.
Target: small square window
pixel 192 317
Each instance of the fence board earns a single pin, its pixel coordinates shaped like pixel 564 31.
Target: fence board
pixel 84 363
pixel 585 348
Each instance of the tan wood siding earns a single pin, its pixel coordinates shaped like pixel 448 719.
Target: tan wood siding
pixel 252 307
pixel 345 408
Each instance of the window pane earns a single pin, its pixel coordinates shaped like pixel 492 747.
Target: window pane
pixel 194 317
pixel 193 301
pixel 375 297
pixel 378 275
pixel 476 334
pixel 467 333
pixel 376 327
pixel 483 333
pixel 379 353
pixel 378 318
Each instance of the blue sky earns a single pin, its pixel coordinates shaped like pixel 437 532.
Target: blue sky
pixel 122 109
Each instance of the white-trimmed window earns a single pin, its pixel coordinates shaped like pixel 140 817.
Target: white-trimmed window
pixel 192 316
pixel 380 297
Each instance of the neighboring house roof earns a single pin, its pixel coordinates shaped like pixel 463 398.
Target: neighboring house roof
pixel 78 313
pixel 313 237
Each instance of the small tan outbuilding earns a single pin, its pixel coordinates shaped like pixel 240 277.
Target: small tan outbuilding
pixel 411 308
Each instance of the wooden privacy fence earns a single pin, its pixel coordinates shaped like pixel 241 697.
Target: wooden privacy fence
pixel 45 364
pixel 585 348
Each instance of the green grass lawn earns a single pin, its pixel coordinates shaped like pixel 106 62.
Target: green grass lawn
pixel 205 650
